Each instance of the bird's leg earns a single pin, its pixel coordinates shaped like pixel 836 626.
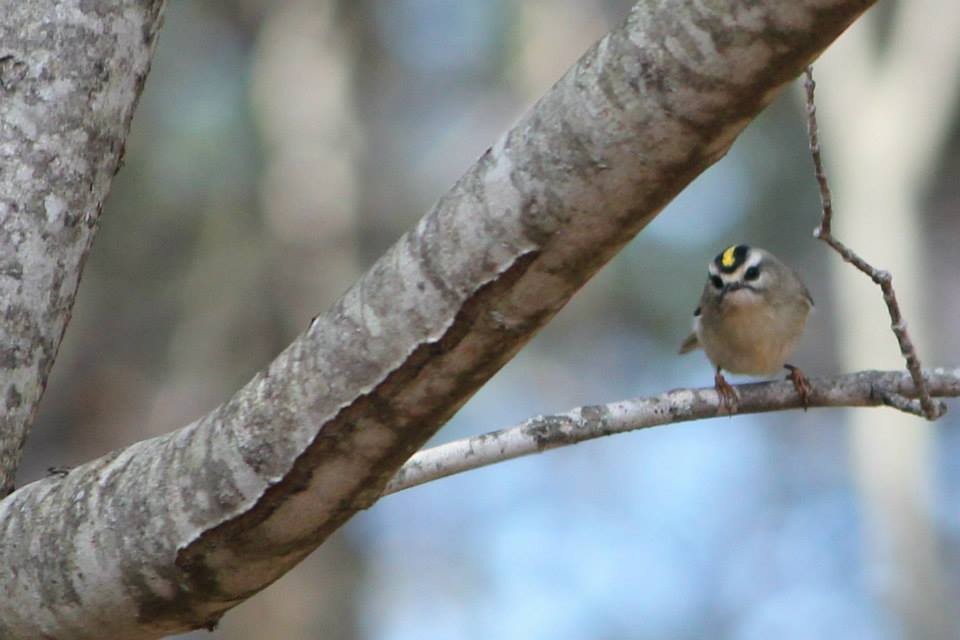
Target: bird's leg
pixel 728 395
pixel 800 383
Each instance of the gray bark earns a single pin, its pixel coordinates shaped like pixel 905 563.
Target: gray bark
pixel 542 433
pixel 168 534
pixel 69 81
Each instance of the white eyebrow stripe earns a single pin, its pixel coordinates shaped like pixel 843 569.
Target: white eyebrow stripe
pixel 755 259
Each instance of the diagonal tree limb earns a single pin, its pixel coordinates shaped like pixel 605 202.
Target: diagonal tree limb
pixel 542 433
pixel 169 533
pixel 70 76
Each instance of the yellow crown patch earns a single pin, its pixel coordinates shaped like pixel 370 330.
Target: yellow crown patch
pixel 727 258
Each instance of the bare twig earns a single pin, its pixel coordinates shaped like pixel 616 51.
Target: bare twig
pixel 862 389
pixel 928 407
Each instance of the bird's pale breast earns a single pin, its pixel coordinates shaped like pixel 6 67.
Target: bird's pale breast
pixel 752 339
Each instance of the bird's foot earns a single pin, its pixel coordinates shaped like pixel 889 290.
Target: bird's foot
pixel 800 383
pixel 729 400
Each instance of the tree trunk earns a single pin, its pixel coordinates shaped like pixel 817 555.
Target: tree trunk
pixel 70 76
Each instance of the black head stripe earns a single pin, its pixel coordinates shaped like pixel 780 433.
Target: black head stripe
pixel 730 259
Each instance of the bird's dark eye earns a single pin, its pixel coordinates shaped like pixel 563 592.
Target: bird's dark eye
pixel 752 273
pixel 716 281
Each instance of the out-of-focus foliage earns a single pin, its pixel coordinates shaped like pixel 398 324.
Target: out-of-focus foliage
pixel 280 146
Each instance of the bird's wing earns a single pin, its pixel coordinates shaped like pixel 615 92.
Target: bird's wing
pixel 692 342
pixel 806 292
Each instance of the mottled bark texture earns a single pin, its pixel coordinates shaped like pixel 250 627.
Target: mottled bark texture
pixel 542 433
pixel 70 75
pixel 170 533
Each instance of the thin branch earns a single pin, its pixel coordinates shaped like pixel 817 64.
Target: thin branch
pixel 862 389
pixel 930 409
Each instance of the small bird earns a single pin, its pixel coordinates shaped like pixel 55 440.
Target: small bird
pixel 751 315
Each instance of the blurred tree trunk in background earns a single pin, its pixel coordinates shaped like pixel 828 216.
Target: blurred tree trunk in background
pixel 410 63
pixel 306 112
pixel 384 199
pixel 885 125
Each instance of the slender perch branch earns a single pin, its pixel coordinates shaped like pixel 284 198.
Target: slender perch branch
pixel 862 389
pixel 926 406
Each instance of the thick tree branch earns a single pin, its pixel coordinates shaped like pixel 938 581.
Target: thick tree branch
pixel 171 532
pixel 863 389
pixel 70 75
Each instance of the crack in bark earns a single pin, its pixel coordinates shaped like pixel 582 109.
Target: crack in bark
pixel 379 403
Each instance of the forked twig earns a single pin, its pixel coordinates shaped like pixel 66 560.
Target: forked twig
pixel 927 406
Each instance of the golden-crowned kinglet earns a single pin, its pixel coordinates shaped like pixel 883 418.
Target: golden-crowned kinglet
pixel 751 315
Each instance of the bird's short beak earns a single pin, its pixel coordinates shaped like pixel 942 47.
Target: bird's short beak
pixel 732 286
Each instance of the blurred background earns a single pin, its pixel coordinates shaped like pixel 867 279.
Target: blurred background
pixel 281 146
